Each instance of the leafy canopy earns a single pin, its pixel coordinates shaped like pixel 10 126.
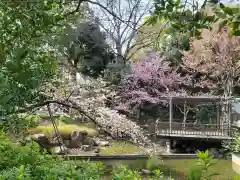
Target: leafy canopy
pixel 28 54
pixel 184 16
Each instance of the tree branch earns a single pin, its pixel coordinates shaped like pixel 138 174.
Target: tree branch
pixel 68 104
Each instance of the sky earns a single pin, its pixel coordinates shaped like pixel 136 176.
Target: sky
pixel 108 25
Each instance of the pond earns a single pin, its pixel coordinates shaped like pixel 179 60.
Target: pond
pixel 178 169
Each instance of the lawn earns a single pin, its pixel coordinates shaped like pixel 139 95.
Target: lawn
pixel 179 169
pixel 120 148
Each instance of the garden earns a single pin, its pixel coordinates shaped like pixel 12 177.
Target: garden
pixel 81 82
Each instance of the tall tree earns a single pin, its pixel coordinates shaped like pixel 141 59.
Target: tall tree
pixel 28 53
pixel 216 55
pixel 122 25
pixel 88 51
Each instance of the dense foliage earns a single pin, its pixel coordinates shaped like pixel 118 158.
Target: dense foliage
pixel 184 15
pixel 28 52
pixel 88 51
pixel 29 162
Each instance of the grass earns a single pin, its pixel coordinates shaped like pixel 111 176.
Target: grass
pixel 120 148
pixel 64 129
pixel 180 168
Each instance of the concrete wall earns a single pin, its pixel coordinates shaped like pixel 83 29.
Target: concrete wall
pixel 236 163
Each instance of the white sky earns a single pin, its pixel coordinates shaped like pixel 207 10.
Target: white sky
pixel 108 25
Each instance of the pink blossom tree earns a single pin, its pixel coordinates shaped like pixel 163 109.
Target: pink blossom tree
pixel 217 55
pixel 151 78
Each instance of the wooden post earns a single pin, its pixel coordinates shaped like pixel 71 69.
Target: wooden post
pixel 229 117
pixel 170 115
pixel 218 116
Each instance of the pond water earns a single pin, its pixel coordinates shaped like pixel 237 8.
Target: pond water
pixel 178 169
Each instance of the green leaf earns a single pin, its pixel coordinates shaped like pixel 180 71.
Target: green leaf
pixel 220 14
pixel 213 174
pixel 195 173
pixel 236 32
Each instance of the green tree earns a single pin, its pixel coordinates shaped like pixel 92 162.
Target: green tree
pixel 28 53
pixel 88 51
pixel 184 15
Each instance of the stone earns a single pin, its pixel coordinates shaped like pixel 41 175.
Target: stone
pixel 97 150
pixel 60 150
pixel 42 140
pixel 67 143
pixel 168 147
pixel 214 152
pixel 77 139
pixel 89 141
pixel 28 138
pixel 146 172
pixel 37 136
pixel 108 138
pixel 86 148
pixel 101 136
pixel 103 143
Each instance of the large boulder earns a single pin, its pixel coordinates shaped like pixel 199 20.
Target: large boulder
pixel 60 150
pixel 78 138
pixel 42 140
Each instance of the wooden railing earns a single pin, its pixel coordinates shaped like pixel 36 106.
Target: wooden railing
pixel 193 129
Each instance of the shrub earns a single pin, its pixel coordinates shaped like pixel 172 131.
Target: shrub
pixel 200 171
pixel 20 122
pixel 123 173
pixel 28 163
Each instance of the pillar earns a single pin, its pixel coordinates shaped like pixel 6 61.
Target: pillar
pixel 170 115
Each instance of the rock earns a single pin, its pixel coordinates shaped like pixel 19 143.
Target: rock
pixel 37 136
pixel 28 138
pixel 237 123
pixel 103 143
pixel 86 148
pixel 146 172
pixel 67 143
pixel 97 150
pixel 42 140
pixel 60 150
pixel 108 138
pixel 77 139
pixel 101 136
pixel 214 152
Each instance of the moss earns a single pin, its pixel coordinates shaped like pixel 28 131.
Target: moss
pixel 120 148
pixel 64 130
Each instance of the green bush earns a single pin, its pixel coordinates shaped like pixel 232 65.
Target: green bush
pixel 201 170
pixel 123 173
pixel 16 124
pixel 28 162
